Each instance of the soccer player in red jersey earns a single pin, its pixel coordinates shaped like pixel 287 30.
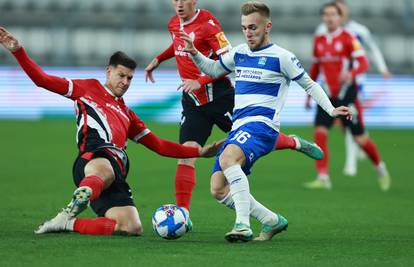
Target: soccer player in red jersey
pixel 211 101
pixel 339 58
pixel 104 124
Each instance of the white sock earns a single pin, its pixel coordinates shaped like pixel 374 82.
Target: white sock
pixel 351 151
pixel 239 190
pixel 257 210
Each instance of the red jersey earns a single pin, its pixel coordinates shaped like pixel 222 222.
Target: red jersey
pixel 209 39
pixel 335 53
pixel 102 119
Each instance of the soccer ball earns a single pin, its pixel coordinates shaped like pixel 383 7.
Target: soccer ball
pixel 169 221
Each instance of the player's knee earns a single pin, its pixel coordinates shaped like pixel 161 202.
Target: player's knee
pixel 361 140
pixel 129 228
pixel 226 161
pixel 218 193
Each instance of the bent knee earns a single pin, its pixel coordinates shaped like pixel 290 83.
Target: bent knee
pixel 219 193
pixel 130 228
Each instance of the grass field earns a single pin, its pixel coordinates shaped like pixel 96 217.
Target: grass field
pixel 355 224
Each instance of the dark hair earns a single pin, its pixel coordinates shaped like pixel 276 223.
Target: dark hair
pixel 120 58
pixel 330 4
pixel 255 6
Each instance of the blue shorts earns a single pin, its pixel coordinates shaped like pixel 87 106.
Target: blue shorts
pixel 256 139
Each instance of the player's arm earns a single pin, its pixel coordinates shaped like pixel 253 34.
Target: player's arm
pixel 357 53
pixel 374 50
pixel 315 91
pixel 314 70
pixel 165 55
pixel 35 73
pixel 139 133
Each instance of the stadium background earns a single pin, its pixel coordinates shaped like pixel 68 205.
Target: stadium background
pixel 355 224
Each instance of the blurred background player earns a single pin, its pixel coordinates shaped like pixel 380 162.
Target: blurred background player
pixel 263 75
pixel 210 101
pixel 339 58
pixel 353 152
pixel 104 126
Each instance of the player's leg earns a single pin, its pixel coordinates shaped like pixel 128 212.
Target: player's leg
pixel 370 148
pixel 297 143
pixel 194 131
pixel 351 154
pixel 322 124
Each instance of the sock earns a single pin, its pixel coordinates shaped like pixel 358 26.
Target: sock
pixel 321 139
pixel 371 149
pixel 184 185
pixel 351 151
pixel 97 226
pixel 239 190
pixel 285 142
pixel 257 210
pixel 95 183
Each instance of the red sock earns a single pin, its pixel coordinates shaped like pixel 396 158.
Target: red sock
pixel 285 142
pixel 321 139
pixel 97 226
pixel 95 183
pixel 184 185
pixel 371 149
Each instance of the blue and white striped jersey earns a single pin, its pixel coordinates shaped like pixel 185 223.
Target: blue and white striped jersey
pixel 262 80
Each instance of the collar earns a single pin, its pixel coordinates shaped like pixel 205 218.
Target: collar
pixel 110 92
pixel 192 19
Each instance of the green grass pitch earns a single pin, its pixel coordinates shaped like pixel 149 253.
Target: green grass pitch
pixel 355 224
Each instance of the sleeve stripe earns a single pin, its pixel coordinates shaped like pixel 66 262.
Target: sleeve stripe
pixel 224 66
pixel 358 53
pixel 299 76
pixel 70 88
pixel 141 134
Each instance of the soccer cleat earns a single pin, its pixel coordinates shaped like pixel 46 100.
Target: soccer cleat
pixel 311 150
pixel 384 178
pixel 188 225
pixel 349 171
pixel 240 233
pixel 79 202
pixel 55 225
pixel 321 182
pixel 268 231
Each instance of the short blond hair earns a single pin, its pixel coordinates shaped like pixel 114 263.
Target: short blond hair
pixel 255 6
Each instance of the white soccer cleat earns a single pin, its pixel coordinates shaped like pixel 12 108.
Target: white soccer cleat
pixel 384 178
pixel 57 224
pixel 350 171
pixel 321 182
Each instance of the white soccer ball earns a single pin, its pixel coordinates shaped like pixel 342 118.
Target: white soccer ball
pixel 169 221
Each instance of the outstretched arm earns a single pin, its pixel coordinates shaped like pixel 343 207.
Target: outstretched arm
pixel 35 73
pixel 171 149
pixel 316 92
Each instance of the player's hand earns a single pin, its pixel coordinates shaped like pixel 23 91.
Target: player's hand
pixel 8 40
pixel 189 86
pixel 346 77
pixel 342 111
pixel 211 150
pixel 149 69
pixel 308 103
pixel 189 45
pixel 386 74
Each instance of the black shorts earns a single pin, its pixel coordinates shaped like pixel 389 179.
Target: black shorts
pixel 118 194
pixel 198 121
pixel 356 125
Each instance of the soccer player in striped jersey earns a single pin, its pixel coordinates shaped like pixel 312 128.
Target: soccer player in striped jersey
pixel 104 125
pixel 263 74
pixel 366 39
pixel 211 100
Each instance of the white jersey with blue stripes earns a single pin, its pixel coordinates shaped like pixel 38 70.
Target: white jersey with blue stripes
pixel 262 80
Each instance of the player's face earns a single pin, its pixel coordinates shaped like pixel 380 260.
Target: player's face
pixel 331 18
pixel 185 9
pixel 256 30
pixel 118 79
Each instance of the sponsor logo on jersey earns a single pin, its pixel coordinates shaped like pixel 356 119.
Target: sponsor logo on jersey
pixel 212 23
pixel 338 46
